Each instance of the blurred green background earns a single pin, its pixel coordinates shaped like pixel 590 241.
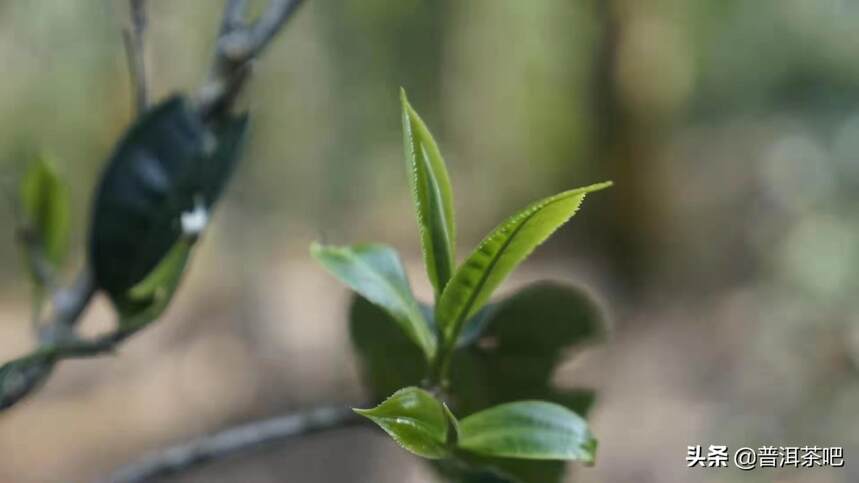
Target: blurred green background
pixel 726 253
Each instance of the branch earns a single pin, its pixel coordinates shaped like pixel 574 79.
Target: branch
pixel 70 303
pixel 269 24
pixel 57 340
pixel 237 45
pixel 40 267
pixel 135 50
pixel 234 15
pixel 242 438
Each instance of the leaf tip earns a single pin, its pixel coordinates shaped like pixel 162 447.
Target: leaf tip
pixel 598 186
pixel 406 108
pixel 590 449
pixel 409 113
pixel 318 250
pixel 362 412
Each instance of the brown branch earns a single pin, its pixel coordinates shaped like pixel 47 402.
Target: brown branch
pixel 237 45
pixel 269 24
pixel 57 340
pixel 234 15
pixel 183 457
pixel 135 50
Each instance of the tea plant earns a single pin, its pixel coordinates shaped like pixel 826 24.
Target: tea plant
pixel 491 362
pixel 464 382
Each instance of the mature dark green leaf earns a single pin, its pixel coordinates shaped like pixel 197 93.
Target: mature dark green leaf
pixel 473 468
pixel 167 165
pixel 415 419
pixel 375 272
pixel 510 355
pixel 513 357
pixel 500 253
pixel 463 467
pixel 215 171
pixel 432 195
pixel 535 430
pixel 45 206
pixel 145 188
pixel 525 337
pixel 389 359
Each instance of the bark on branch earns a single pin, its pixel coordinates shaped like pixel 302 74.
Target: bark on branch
pixel 135 52
pixel 238 44
pixel 183 457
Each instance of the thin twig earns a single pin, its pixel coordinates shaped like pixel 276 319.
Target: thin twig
pixel 57 340
pixel 135 49
pixel 41 271
pixel 70 303
pixel 269 24
pixel 242 438
pixel 234 15
pixel 237 45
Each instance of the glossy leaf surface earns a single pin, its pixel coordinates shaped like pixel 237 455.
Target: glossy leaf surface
pixel 500 253
pixel 528 430
pixel 433 197
pixel 509 353
pixel 415 419
pixel 375 272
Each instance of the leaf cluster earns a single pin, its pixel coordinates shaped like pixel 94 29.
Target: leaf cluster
pixel 490 361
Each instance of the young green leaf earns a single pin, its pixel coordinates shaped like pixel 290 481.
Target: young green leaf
pixel 500 253
pixel 147 300
pixel 415 419
pixel 534 430
pixel 432 195
pixel 45 205
pixel 375 272
pixel 507 352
